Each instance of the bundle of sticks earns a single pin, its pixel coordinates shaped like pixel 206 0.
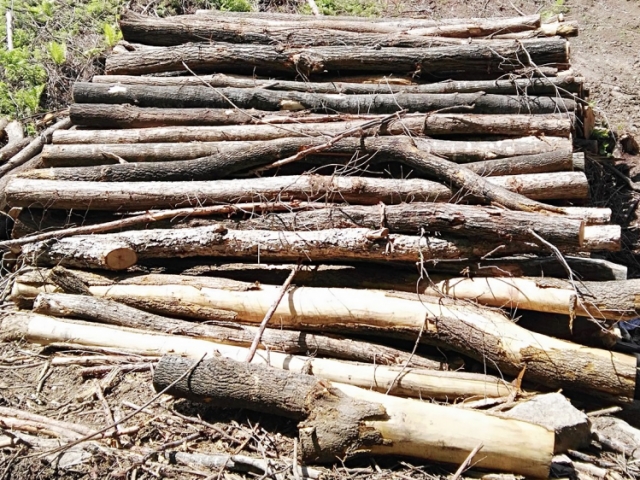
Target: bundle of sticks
pixel 372 189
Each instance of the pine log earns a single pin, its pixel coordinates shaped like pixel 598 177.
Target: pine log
pixel 364 424
pixel 525 86
pixel 105 154
pixel 486 335
pixel 430 63
pixel 189 28
pixel 614 300
pixel 12 149
pixel 128 116
pixel 136 196
pixel 107 311
pixel 199 96
pixel 414 382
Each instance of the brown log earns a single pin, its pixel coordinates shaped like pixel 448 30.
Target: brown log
pixel 107 311
pixel 486 335
pixel 199 96
pixel 325 436
pixel 12 149
pixel 128 116
pixel 526 86
pixel 431 63
pixel 105 154
pixel 23 192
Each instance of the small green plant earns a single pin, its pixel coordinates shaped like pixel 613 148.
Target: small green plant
pixel 235 6
pixel 558 7
pixel 111 35
pixel 57 52
pixel 358 8
pixel 606 140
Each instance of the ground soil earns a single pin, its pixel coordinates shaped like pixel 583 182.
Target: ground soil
pixel 607 53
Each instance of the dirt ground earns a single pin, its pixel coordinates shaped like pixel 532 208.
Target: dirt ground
pixel 606 53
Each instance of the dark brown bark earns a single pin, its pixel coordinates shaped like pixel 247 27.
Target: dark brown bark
pixel 518 86
pixel 430 63
pixel 273 100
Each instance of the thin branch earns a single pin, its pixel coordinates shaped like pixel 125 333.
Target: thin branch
pixel 465 465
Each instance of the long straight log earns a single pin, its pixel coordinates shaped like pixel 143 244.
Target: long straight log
pixel 430 63
pixel 24 192
pixel 615 300
pixel 107 311
pixel 414 382
pixel 12 149
pixel 199 96
pixel 82 155
pixel 325 436
pixel 526 86
pixel 484 334
pixel 128 116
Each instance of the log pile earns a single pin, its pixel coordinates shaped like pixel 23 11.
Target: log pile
pixel 377 192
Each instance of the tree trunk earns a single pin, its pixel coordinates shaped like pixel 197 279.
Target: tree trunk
pixel 413 382
pixel 189 28
pixel 486 335
pixel 128 116
pixel 105 154
pixel 200 96
pixel 12 149
pixel 325 436
pixel 615 300
pixel 525 86
pixel 102 310
pixel 136 196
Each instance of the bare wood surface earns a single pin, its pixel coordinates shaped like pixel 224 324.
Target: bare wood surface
pixel 24 192
pixel 128 116
pixel 530 86
pixel 199 96
pixel 432 63
pixel 14 132
pixel 107 311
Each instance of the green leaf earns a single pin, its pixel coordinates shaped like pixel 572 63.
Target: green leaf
pixel 57 52
pixel 111 34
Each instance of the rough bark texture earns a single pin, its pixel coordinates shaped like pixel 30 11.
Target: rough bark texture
pixel 430 63
pixel 199 96
pixel 12 149
pixel 128 116
pixel 113 313
pixel 528 86
pixel 23 192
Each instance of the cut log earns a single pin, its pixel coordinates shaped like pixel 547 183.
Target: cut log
pixel 12 149
pixel 286 341
pixel 486 335
pixel 526 86
pixel 128 116
pixel 430 63
pixel 189 28
pixel 105 154
pixel 325 436
pixel 414 382
pixel 14 132
pixel 119 251
pixel 614 300
pixel 24 192
pixel 199 96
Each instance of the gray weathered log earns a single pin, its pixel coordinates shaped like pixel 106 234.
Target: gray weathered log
pixel 199 96
pixel 12 149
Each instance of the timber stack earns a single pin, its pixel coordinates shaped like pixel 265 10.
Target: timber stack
pixel 378 191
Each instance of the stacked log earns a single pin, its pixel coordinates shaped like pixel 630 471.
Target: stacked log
pixel 415 181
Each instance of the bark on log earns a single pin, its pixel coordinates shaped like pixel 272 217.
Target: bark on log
pixel 128 116
pixel 12 149
pixel 200 96
pixel 524 86
pixel 615 300
pixel 105 154
pixel 189 28
pixel 107 311
pixel 414 382
pixel 486 335
pixel 362 425
pixel 429 63
pixel 136 196
pixel 119 251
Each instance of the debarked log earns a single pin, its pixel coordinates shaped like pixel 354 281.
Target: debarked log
pixel 409 381
pixel 199 96
pixel 613 300
pixel 364 423
pixel 487 335
pixel 562 86
pixel 129 116
pixel 136 196
pixel 453 62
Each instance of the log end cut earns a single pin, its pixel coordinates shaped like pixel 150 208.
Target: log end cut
pixel 120 258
